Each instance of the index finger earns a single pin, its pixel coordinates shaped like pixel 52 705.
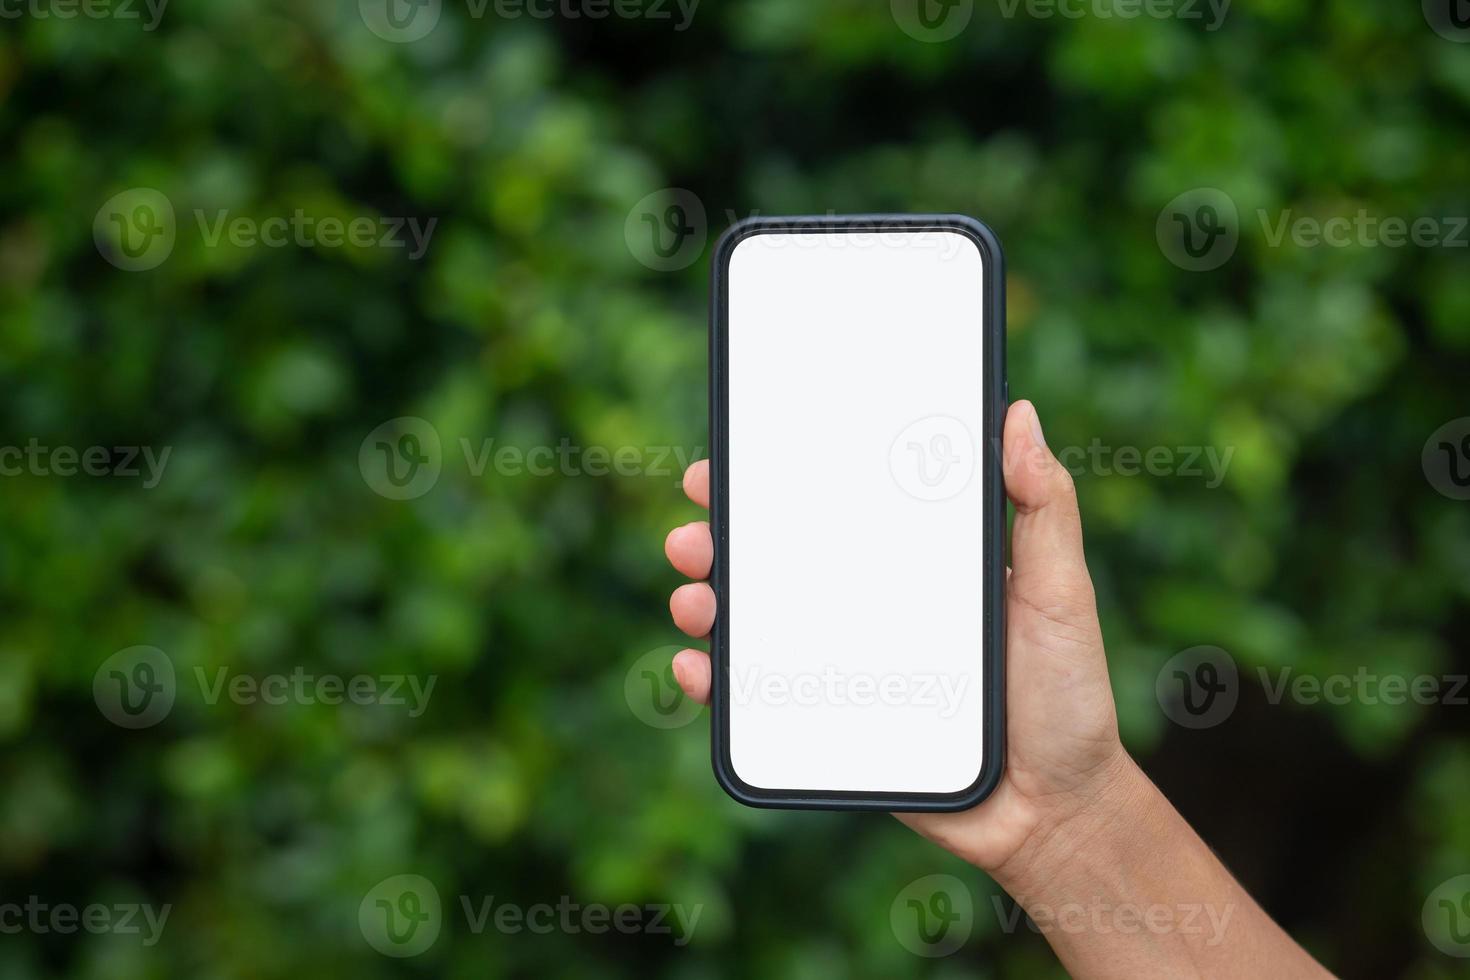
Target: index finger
pixel 696 482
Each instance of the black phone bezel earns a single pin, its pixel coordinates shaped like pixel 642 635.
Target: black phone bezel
pixel 995 398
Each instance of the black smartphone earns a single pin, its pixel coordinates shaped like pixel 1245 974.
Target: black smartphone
pixel 858 392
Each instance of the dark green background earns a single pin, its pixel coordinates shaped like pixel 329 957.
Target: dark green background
pixel 530 319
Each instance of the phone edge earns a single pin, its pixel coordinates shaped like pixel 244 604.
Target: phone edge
pixel 995 379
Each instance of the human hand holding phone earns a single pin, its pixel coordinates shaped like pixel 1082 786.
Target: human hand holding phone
pixel 1074 820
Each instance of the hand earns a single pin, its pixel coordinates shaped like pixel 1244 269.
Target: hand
pixel 1065 765
pixel 1075 831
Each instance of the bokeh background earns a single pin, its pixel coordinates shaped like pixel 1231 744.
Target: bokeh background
pixel 541 315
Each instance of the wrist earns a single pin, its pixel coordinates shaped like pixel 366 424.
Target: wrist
pixel 1077 841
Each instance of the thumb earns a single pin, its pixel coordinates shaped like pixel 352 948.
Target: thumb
pixel 1049 571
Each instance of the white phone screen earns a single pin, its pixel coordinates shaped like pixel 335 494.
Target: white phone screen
pixel 856 511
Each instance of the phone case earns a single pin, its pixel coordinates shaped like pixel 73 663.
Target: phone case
pixel 995 400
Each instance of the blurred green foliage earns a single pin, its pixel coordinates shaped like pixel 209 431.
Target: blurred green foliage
pixel 530 320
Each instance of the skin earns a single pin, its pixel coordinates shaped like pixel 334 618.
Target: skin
pixel 1114 877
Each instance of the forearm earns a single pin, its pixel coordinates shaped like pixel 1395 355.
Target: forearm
pixel 1128 890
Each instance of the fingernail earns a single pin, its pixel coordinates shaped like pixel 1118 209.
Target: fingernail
pixel 1036 427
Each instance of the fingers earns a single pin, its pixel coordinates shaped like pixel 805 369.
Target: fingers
pixel 1050 570
pixel 693 608
pixel 692 671
pixel 696 482
pixel 691 549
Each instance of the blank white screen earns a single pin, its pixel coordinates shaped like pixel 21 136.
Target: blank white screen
pixel 855 511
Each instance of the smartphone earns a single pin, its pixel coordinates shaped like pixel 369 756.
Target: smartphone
pixel 858 392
